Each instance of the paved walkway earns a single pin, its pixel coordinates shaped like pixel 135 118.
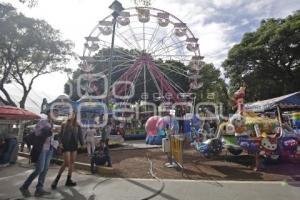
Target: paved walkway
pixel 92 187
pixel 140 144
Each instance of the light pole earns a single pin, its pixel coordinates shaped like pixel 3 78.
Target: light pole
pixel 117 8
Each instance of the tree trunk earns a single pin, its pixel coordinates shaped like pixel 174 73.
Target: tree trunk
pixel 24 98
pixel 7 100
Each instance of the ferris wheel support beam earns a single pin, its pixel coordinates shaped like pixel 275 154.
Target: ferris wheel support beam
pixel 144 37
pixel 165 86
pixel 161 40
pixel 107 44
pixel 145 85
pixel 134 37
pixel 153 36
pixel 171 68
pixel 157 51
pixel 155 82
pixel 125 41
pixel 127 76
pixel 175 85
pixel 111 56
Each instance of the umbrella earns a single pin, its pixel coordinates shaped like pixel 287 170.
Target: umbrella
pixel 14 113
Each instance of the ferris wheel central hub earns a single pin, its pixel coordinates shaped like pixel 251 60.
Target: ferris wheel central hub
pixel 145 58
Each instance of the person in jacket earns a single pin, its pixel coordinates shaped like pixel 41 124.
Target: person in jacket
pixel 9 143
pixel 24 141
pixel 69 137
pixel 101 156
pixel 41 155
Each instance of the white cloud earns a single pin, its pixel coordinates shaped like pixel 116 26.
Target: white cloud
pixel 214 41
pixel 260 7
pixel 226 3
pixel 214 22
pixel 244 22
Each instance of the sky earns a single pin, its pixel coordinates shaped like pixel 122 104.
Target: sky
pixel 219 24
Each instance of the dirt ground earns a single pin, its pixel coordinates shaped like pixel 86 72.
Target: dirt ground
pixel 134 163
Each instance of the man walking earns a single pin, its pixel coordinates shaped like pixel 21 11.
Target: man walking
pixel 41 155
pixel 9 142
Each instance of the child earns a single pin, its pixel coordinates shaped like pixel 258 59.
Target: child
pixel 90 140
pixel 100 157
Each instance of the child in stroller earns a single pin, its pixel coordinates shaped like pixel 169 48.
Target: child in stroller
pixel 101 156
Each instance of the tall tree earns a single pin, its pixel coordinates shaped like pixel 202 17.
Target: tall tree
pixel 214 88
pixel 29 48
pixel 29 3
pixel 267 60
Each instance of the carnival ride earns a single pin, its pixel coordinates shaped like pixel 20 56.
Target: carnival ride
pixel 151 45
pixel 256 135
pixel 156 128
pixel 155 58
pixel 252 134
pixel 288 144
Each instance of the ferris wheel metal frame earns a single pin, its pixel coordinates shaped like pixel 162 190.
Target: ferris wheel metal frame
pixel 151 49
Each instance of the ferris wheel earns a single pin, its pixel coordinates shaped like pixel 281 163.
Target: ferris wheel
pixel 153 50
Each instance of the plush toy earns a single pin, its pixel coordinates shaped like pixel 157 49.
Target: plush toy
pixel 238 121
pixel 230 130
pixel 268 144
pixel 238 99
pixel 240 93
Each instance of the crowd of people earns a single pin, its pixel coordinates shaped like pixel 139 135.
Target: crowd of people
pixel 45 144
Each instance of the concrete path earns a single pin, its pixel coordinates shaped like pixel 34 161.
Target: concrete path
pixel 92 187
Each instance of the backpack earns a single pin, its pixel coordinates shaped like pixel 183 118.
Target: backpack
pixel 31 138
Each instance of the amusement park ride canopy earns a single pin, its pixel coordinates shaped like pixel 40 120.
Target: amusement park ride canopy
pixel 14 113
pixel 286 102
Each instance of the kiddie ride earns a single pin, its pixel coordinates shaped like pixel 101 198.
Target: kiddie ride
pixel 247 132
pixel 258 136
pixel 207 143
pixel 156 127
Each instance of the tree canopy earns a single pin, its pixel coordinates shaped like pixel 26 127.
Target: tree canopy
pixel 214 88
pixel 29 48
pixel 267 61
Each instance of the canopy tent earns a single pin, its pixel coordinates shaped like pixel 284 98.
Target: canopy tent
pixel 286 102
pixel 14 113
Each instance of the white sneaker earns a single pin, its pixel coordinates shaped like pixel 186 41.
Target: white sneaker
pixel 169 165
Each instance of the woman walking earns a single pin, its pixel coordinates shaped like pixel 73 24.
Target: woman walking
pixel 69 137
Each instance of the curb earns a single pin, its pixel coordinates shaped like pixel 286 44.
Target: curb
pixel 101 170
